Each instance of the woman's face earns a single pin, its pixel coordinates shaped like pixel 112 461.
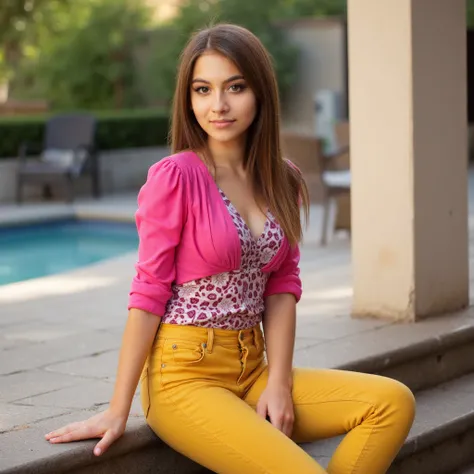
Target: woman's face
pixel 222 102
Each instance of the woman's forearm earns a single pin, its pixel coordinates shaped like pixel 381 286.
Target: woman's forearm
pixel 137 340
pixel 279 325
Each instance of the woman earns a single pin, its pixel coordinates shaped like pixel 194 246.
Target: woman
pixel 219 225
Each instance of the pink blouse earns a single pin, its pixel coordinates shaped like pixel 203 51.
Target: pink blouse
pixel 186 233
pixel 231 300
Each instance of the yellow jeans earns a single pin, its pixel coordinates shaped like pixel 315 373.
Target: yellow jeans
pixel 200 387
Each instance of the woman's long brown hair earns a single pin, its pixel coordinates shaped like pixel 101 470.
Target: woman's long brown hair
pixel 275 181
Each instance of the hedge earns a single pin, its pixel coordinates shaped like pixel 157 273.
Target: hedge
pixel 115 130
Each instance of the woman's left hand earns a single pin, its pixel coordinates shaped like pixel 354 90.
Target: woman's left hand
pixel 276 403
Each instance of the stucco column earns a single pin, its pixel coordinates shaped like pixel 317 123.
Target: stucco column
pixel 407 82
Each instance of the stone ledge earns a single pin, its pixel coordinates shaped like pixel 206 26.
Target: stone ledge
pixel 434 342
pixel 38 456
pixel 41 213
pixel 137 446
pixel 29 452
pixel 35 214
pixel 381 348
pixel 443 412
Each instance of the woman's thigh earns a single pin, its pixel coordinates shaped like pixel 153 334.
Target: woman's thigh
pixel 377 412
pixel 215 428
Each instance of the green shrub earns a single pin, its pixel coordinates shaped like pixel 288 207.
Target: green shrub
pixel 132 130
pixel 115 130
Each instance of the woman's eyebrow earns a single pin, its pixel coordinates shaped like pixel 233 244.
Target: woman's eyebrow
pixel 230 79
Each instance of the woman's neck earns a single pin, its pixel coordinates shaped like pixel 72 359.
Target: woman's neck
pixel 227 155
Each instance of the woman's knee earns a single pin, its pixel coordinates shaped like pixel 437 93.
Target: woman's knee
pixel 399 399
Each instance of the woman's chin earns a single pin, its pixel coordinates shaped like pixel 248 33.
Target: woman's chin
pixel 225 136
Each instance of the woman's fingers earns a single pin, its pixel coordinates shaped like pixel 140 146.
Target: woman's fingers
pixel 262 409
pixel 287 428
pixel 283 422
pixel 84 431
pixel 277 422
pixel 64 430
pixel 104 425
pixel 104 444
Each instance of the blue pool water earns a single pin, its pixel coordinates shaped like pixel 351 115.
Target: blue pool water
pixel 37 250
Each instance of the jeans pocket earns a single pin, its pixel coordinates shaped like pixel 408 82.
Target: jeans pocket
pixel 181 361
pixel 186 352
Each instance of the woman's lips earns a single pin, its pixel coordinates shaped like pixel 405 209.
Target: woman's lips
pixel 222 123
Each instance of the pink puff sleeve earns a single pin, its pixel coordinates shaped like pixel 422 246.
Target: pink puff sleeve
pixel 287 278
pixel 160 218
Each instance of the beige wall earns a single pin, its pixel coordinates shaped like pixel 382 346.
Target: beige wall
pixel 321 65
pixel 440 139
pixel 408 157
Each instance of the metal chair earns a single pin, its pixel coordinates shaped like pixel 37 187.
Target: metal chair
pixel 335 181
pixel 68 152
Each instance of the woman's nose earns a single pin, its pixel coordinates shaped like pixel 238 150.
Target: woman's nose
pixel 219 104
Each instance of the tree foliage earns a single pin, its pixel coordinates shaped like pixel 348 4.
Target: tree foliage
pixel 20 24
pixel 81 53
pixel 259 16
pixel 91 63
pixel 314 8
pixel 470 13
pixel 195 15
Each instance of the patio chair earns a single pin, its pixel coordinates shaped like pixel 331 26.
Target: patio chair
pixel 335 181
pixel 68 152
pixel 321 170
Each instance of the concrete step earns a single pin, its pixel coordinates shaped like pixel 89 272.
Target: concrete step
pixel 440 442
pixel 431 362
pixel 421 355
pixel 441 438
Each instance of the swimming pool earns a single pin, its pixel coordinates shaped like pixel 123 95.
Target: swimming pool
pixel 45 249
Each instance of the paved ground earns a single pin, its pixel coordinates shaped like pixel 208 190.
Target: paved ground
pixel 60 335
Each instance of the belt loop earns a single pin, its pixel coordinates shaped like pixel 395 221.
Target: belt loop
pixel 210 340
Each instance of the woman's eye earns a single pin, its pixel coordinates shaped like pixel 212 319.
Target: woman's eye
pixel 232 88
pixel 202 90
pixel 237 87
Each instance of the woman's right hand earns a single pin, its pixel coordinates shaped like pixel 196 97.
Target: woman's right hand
pixel 106 425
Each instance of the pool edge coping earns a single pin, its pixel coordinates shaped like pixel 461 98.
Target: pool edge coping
pixel 73 213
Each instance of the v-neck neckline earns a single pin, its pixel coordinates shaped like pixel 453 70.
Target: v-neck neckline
pixel 219 190
pixel 255 239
